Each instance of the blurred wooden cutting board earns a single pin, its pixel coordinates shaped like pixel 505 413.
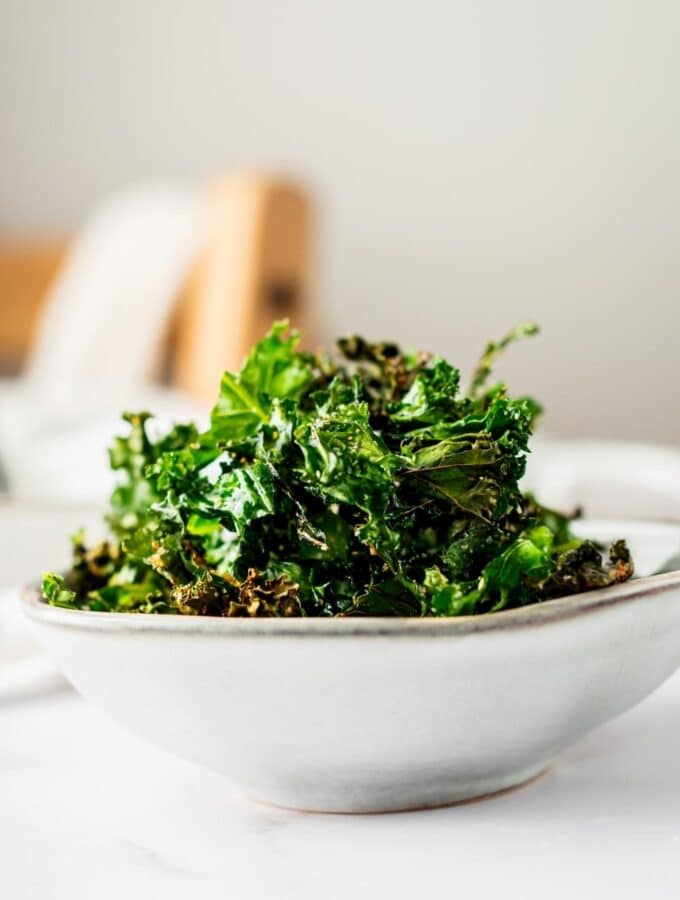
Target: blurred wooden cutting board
pixel 27 268
pixel 254 269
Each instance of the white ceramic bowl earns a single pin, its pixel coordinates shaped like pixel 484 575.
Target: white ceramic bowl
pixel 367 715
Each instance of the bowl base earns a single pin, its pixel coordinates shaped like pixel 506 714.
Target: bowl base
pixel 459 796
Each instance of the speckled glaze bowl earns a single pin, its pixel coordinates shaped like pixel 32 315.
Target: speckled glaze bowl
pixel 370 715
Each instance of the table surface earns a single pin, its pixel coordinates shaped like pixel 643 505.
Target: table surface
pixel 87 810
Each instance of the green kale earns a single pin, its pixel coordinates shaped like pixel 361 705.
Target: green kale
pixel 361 483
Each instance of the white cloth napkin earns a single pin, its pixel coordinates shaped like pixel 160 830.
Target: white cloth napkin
pixel 98 343
pixel 105 317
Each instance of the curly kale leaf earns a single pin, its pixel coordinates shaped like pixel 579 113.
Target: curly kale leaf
pixel 274 369
pixel 431 397
pixel 133 456
pixel 343 458
pixel 530 569
pixel 492 352
pixel 56 593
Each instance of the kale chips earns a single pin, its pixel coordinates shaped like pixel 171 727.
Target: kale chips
pixel 365 482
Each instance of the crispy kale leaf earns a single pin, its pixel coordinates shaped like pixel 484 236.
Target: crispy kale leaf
pixel 362 483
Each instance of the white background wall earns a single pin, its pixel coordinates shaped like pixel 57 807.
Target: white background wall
pixel 477 163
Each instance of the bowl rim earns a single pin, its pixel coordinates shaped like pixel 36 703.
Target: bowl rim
pixel 537 614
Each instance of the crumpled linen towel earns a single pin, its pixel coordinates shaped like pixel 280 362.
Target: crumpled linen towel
pixel 98 344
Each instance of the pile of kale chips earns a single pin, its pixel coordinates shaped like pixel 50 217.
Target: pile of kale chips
pixel 362 483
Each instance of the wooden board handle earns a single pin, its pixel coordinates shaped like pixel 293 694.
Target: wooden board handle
pixel 255 268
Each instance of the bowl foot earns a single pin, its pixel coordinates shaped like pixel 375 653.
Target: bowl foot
pixel 457 795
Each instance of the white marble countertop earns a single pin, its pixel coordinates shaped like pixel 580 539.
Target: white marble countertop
pixel 87 810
